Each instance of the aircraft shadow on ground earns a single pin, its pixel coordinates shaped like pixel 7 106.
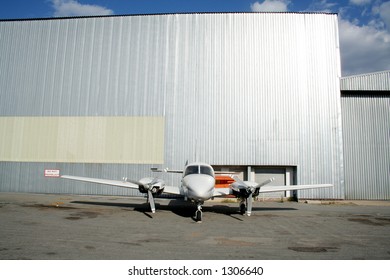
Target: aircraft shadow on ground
pixel 183 208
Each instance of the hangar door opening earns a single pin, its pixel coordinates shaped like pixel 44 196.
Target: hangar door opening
pixel 241 171
pixel 283 175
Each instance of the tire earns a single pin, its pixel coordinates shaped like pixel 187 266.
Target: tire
pixel 198 216
pixel 242 208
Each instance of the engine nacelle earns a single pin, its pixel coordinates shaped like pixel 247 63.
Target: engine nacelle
pixel 153 184
pixel 243 191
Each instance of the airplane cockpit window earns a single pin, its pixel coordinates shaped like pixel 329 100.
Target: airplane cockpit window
pixel 192 170
pixel 206 170
pixel 198 169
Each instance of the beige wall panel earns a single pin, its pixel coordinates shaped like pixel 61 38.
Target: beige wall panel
pixel 82 139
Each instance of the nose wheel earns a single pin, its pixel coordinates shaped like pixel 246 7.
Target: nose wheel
pixel 198 213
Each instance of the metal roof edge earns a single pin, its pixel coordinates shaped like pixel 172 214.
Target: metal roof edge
pixel 366 74
pixel 155 14
pixel 375 81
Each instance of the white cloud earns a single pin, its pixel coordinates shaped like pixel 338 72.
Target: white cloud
pixel 66 8
pixel 384 13
pixel 270 6
pixel 321 6
pixel 359 2
pixel 364 49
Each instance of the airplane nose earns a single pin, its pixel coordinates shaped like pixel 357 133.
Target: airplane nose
pixel 199 186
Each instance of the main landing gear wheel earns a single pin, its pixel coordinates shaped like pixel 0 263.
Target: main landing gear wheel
pixel 242 208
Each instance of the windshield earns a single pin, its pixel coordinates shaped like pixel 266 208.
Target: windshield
pixel 199 169
pixel 206 170
pixel 194 169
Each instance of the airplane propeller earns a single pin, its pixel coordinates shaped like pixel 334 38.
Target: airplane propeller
pixel 150 185
pixel 250 188
pixel 151 201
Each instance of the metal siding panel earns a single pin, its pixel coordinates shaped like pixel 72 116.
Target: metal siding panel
pixel 366 127
pixel 235 89
pixel 29 177
pixel 370 81
pixel 82 139
pixel 73 67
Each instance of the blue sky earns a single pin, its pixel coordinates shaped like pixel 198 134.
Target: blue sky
pixel 364 25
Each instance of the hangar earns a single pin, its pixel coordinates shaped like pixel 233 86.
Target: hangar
pixel 365 103
pixel 113 96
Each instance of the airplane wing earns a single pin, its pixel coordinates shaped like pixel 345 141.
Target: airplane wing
pixel 247 189
pixel 154 169
pixel 267 189
pixel 145 185
pixel 173 190
pixel 117 183
pixel 253 187
pixel 122 184
pixel 222 192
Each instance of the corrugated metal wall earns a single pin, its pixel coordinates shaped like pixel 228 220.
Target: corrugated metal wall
pixel 136 140
pixel 366 133
pixel 365 103
pixel 368 82
pixel 255 89
pixel 29 177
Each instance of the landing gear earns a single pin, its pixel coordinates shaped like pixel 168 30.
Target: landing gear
pixel 242 207
pixel 246 206
pixel 198 213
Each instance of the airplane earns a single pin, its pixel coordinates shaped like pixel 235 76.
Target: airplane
pixel 197 186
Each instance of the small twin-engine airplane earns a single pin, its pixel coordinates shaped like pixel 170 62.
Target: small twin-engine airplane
pixel 197 186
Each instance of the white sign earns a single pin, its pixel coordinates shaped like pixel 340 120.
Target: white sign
pixel 52 173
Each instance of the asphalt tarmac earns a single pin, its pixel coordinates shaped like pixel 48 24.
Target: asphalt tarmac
pixel 71 227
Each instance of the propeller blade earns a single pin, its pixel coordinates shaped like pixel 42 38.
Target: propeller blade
pixel 151 201
pixel 249 205
pixel 265 182
pixel 249 189
pixel 238 180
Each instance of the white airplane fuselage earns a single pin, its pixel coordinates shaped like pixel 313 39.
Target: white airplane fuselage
pixel 198 182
